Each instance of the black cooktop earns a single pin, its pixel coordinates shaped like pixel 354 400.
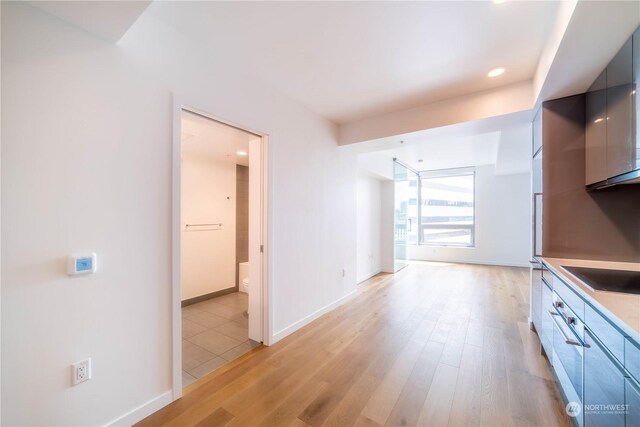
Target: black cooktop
pixel 600 279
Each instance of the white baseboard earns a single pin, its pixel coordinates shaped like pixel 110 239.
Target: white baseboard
pixel 144 410
pixel 476 262
pixel 367 276
pixel 310 318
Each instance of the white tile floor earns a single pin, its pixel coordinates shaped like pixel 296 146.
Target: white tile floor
pixel 214 332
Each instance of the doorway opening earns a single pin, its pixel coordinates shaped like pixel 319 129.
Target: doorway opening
pixel 219 239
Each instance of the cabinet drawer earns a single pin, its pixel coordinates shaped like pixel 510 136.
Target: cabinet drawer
pixel 575 303
pixel 547 275
pixel 632 359
pixel 606 333
pixel 536 297
pixel 632 400
pixel 604 386
pixel 546 331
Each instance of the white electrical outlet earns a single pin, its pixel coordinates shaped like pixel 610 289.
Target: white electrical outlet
pixel 81 371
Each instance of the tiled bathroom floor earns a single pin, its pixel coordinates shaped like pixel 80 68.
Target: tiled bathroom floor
pixel 214 332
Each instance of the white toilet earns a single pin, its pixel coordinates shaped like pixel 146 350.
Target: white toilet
pixel 243 277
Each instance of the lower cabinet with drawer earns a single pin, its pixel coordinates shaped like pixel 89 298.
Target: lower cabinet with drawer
pixel 610 337
pixel 568 352
pixel 604 385
pixel 596 364
pixel 632 358
pixel 545 332
pixel 536 297
pixel 632 402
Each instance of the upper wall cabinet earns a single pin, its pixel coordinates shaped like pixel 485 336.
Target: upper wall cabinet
pixel 619 112
pixel 596 131
pixel 611 139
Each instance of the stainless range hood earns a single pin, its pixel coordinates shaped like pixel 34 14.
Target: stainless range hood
pixel 632 177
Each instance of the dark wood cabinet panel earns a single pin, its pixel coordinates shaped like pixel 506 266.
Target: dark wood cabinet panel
pixel 563 145
pixel 636 98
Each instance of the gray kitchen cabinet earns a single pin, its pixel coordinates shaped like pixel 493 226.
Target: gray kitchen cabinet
pixel 632 358
pixel 596 364
pixel 546 331
pixel 568 352
pixel 612 121
pixel 571 298
pixel 596 131
pixel 632 401
pixel 536 298
pixel 604 386
pixel 620 158
pixel 606 332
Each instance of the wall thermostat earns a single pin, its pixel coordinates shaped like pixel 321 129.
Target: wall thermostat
pixel 81 264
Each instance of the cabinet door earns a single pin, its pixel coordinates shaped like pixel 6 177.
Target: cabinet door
pixel 636 97
pixel 596 131
pixel 536 297
pixel 620 112
pixel 604 384
pixel 546 332
pixel 632 400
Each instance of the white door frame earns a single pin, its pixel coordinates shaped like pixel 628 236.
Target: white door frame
pixel 176 298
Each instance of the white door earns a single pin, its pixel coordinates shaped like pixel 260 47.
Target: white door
pixel 255 240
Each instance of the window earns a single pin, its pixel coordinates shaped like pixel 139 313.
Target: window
pixel 407 210
pixel 447 208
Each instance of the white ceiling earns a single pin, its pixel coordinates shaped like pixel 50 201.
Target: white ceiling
pixel 214 140
pixel 434 154
pixel 353 60
pixel 350 60
pixel 503 143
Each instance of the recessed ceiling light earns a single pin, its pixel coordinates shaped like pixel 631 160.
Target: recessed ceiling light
pixel 420 160
pixel 496 72
pixel 241 153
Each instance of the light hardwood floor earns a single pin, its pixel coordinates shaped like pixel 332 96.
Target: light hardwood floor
pixel 434 345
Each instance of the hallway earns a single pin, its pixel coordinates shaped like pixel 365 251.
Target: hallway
pixel 436 344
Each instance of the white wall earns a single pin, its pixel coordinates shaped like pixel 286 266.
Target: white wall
pixel 368 227
pixel 208 196
pixel 503 223
pixel 387 245
pixel 86 166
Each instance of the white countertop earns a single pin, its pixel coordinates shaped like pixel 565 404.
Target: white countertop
pixel 624 309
